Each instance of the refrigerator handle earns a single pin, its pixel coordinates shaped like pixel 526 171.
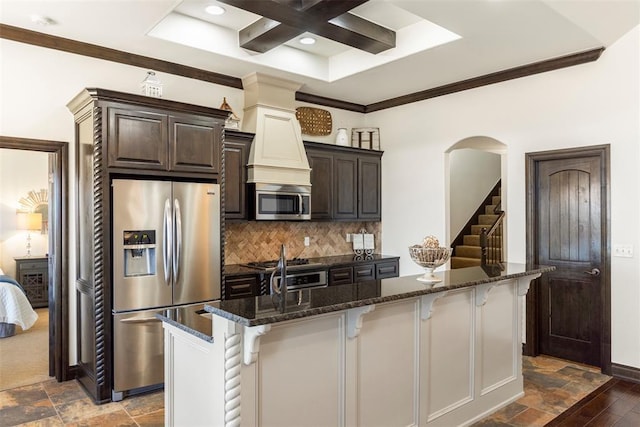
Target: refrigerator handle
pixel 167 242
pixel 178 241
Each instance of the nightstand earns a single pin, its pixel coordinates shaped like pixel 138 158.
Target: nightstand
pixel 33 274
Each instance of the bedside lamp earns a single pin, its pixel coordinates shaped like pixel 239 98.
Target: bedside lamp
pixel 29 221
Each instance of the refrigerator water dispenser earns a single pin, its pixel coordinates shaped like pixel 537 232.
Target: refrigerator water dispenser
pixel 139 253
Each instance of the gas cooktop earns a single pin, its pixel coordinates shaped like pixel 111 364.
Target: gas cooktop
pixel 291 263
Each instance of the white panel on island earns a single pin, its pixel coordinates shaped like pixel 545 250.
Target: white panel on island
pixel 390 352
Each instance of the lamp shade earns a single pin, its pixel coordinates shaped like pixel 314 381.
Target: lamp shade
pixel 29 221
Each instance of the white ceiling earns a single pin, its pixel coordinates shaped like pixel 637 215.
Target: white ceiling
pixel 488 36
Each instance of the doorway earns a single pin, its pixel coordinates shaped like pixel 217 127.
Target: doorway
pixel 473 166
pixel 58 259
pixel 569 309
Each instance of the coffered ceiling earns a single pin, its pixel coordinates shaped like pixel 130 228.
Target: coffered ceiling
pixel 366 52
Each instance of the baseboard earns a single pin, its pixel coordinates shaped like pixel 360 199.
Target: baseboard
pixel 626 373
pixel 70 373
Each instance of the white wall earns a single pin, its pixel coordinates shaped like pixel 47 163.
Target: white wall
pixel 472 175
pixel 20 172
pixel 590 104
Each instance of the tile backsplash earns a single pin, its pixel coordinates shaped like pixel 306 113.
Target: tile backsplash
pixel 261 240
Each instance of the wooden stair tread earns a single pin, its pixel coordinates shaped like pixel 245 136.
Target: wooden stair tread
pixel 470 252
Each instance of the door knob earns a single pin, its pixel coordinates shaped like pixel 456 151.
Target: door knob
pixel 593 272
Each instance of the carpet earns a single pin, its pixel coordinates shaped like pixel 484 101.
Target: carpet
pixel 24 357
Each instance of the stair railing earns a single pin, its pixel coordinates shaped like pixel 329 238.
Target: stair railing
pixel 491 242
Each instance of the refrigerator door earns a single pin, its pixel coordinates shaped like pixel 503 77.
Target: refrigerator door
pixel 141 245
pixel 138 357
pixel 196 245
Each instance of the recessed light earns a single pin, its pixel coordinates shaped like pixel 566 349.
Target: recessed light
pixel 214 10
pixel 307 40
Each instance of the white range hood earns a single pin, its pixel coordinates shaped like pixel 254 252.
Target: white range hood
pixel 277 155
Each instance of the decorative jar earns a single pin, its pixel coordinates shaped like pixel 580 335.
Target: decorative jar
pixel 342 138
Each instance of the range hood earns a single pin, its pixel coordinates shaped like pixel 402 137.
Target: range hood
pixel 277 155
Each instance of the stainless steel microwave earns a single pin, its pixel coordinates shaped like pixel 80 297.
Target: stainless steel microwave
pixel 281 202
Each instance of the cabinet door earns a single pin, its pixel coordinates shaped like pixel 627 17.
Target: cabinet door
pixel 321 184
pixel 345 187
pixel 241 287
pixel 137 139
pixel 236 156
pixel 194 143
pixel 340 276
pixel 363 272
pixel 369 188
pixel 387 269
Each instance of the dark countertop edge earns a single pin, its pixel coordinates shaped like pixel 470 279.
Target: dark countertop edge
pixel 369 301
pixel 199 334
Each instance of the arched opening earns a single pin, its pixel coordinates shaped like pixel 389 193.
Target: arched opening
pixel 475 169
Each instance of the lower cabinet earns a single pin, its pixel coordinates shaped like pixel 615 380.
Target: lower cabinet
pixel 241 286
pixel 387 269
pixel 359 272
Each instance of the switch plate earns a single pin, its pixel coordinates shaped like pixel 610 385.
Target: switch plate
pixel 306 240
pixel 625 251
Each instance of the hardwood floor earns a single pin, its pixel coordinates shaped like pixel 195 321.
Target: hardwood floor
pixel 616 403
pixel 558 393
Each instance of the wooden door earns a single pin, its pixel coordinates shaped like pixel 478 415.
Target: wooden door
pixel 321 164
pixel 236 155
pixel 571 302
pixel 369 184
pixel 137 139
pixel 194 143
pixel 345 185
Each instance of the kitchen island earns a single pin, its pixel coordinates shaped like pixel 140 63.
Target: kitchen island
pixel 390 352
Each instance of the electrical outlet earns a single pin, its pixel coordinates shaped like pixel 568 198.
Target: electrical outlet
pixel 306 240
pixel 625 251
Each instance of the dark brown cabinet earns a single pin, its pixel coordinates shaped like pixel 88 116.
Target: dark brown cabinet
pixel 385 269
pixel 345 183
pixel 33 275
pixel 120 134
pixel 358 272
pixel 321 164
pixel 236 155
pixel 146 138
pixel 241 286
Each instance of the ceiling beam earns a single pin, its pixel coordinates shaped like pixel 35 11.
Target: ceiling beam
pixel 284 20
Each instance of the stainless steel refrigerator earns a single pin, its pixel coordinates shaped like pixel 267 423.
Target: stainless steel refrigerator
pixel 166 253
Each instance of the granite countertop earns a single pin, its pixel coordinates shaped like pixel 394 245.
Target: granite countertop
pixel 326 261
pixel 192 319
pixel 261 310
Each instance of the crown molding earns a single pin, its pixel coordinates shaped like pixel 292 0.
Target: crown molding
pixel 86 49
pixel 94 51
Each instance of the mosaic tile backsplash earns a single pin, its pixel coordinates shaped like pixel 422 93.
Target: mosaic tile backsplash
pixel 261 240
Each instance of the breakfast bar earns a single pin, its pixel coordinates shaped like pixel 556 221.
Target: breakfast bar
pixel 389 352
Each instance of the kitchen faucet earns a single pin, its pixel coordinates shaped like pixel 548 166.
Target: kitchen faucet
pixel 279 290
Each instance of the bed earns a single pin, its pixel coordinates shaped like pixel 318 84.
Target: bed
pixel 15 308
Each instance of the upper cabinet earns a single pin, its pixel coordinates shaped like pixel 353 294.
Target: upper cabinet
pixel 144 133
pixel 236 155
pixel 345 183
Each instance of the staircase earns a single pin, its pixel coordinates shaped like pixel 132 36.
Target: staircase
pixel 469 253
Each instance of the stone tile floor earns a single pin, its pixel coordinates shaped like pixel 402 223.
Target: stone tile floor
pixel 551 386
pixel 66 404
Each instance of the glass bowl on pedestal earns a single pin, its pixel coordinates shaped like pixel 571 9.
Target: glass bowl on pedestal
pixel 429 259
